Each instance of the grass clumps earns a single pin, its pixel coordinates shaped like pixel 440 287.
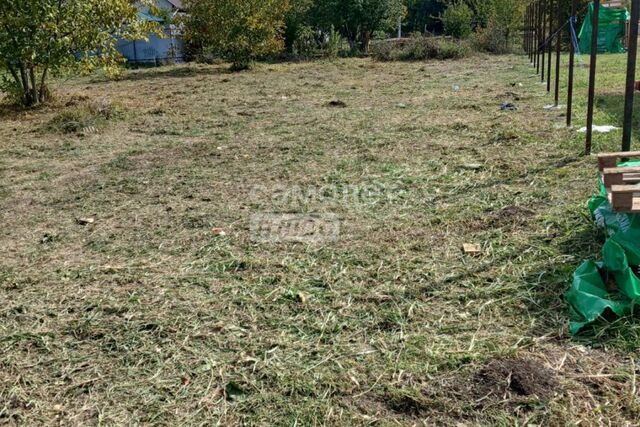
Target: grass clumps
pixel 419 49
pixel 84 116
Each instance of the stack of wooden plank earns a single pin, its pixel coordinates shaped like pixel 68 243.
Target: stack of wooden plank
pixel 622 183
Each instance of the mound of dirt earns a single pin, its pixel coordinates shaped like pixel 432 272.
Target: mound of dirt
pixel 407 405
pixel 520 377
pixel 509 216
pixel 337 104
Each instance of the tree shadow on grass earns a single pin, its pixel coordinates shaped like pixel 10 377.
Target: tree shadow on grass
pixel 571 244
pixel 613 105
pixel 181 71
pixel 548 286
pixel 10 111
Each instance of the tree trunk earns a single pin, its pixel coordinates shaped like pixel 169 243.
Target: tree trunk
pixel 44 91
pixel 366 41
pixel 26 92
pixel 506 41
pixel 34 86
pixel 14 74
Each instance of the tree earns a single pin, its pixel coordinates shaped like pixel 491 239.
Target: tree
pixel 496 22
pixel 239 31
pixel 482 10
pixel 422 15
pixel 43 37
pixel 297 20
pixel 357 20
pixel 507 15
pixel 457 20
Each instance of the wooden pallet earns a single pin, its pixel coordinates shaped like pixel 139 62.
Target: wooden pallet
pixel 616 4
pixel 621 183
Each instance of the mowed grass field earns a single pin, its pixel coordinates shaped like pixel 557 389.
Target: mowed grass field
pixel 133 292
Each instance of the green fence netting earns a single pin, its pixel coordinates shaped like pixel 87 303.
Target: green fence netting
pixel 611 30
pixel 610 286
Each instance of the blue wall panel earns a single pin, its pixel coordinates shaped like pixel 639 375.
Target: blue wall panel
pixel 155 51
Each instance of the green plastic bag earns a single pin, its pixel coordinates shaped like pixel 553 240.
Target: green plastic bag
pixel 611 30
pixel 588 297
pixel 622 228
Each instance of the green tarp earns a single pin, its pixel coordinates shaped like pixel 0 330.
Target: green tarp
pixel 611 30
pixel 610 286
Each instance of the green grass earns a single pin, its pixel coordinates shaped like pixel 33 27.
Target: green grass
pixel 150 316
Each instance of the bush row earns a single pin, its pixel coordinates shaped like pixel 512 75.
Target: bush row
pixel 419 48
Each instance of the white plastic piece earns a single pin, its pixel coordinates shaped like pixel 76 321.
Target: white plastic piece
pixel 599 129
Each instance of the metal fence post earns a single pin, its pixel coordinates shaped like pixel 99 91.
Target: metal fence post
pixel 536 38
pixel 550 45
pixel 631 75
pixel 558 52
pixel 543 17
pixel 572 61
pixel 592 76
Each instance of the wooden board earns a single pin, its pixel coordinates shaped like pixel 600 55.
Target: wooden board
pixel 621 183
pixel 620 4
pixel 610 160
pixel 625 198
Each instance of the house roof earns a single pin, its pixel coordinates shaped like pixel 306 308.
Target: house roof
pixel 176 3
pixel 148 17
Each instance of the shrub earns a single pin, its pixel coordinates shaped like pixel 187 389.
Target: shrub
pixel 492 39
pixel 312 42
pixel 83 117
pixel 239 31
pixel 380 35
pixel 305 44
pixel 503 22
pixel 333 44
pixel 358 20
pixel 457 20
pixel 449 49
pixel 12 91
pixel 418 49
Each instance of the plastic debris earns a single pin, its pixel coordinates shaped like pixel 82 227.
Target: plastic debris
pixel 472 166
pixel 508 106
pixel 599 129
